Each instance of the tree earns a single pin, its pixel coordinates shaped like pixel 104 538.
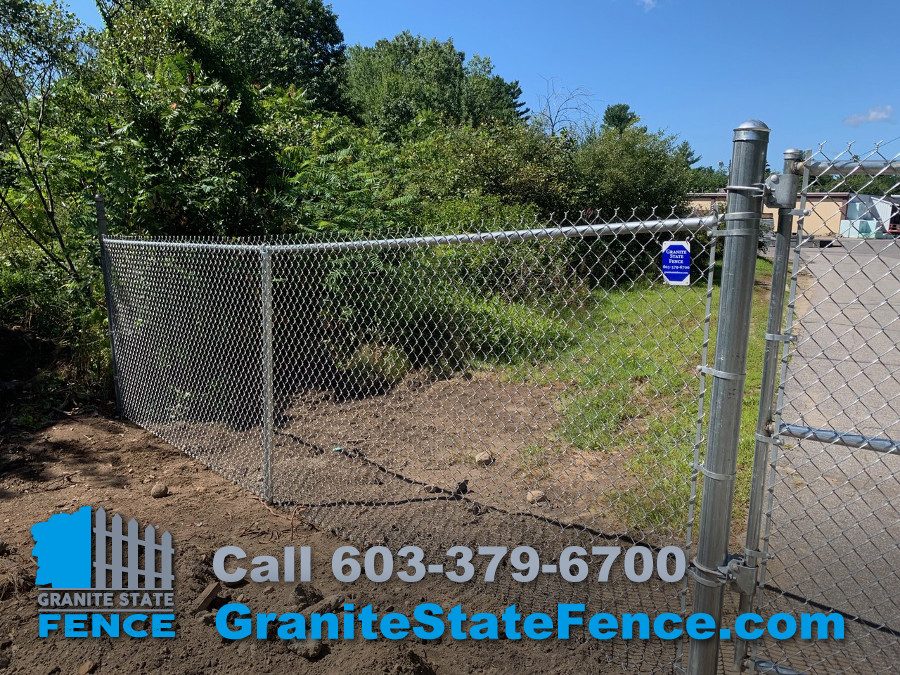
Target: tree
pixel 177 129
pixel 619 116
pixel 708 178
pixel 276 42
pixel 516 163
pixel 562 109
pixel 41 46
pixel 630 169
pixel 487 96
pixel 389 84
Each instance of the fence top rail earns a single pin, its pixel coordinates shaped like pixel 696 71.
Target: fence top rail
pixel 672 225
pixel 867 167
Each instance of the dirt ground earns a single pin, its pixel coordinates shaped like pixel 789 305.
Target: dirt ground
pixel 101 462
pixel 432 432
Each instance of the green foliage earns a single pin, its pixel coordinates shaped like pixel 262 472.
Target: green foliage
pixel 178 133
pixel 618 171
pixel 208 117
pixel 336 177
pixel 374 368
pixel 389 84
pixel 708 179
pixel 516 163
pixel 285 43
pixel 619 117
pixel 859 183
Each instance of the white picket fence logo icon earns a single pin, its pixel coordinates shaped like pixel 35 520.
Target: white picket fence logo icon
pixel 126 560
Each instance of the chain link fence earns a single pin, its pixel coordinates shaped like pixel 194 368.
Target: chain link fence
pixel 498 386
pixel 538 385
pixel 832 523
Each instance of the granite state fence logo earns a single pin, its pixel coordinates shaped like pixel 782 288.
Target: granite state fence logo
pixel 100 577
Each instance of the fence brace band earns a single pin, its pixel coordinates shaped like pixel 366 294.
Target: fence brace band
pixel 753 554
pixel 721 374
pixel 753 190
pixel 743 232
pixel 721 577
pixel 781 337
pixel 715 476
pixel 768 440
pixel 743 215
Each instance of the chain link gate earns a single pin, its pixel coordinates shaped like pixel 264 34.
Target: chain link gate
pixel 824 521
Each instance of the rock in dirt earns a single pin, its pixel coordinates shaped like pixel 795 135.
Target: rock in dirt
pixel 4 548
pixel 207 597
pixel 159 490
pixel 307 595
pixel 536 496
pixel 87 668
pixel 484 458
pixel 329 604
pixel 311 650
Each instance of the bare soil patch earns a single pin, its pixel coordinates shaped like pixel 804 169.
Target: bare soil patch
pixel 102 462
pixel 424 437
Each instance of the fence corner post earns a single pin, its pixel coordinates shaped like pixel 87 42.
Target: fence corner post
pixel 268 409
pixel 100 212
pixel 744 212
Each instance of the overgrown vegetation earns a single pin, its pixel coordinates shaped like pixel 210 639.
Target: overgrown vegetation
pixel 184 117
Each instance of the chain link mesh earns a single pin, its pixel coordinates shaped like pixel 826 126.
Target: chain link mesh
pixel 506 386
pixel 833 522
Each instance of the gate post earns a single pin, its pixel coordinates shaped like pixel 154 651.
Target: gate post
pixel 268 411
pixel 744 212
pixel 774 340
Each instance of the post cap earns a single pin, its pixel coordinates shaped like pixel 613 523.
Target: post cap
pixel 793 153
pixel 752 130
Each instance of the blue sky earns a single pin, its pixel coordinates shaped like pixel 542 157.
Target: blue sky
pixel 813 70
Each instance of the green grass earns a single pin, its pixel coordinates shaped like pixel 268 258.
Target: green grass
pixel 633 390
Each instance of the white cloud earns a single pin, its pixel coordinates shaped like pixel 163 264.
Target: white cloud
pixel 880 113
pixel 647 4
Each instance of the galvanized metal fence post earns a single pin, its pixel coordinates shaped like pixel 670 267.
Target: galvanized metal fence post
pixel 744 212
pixel 100 208
pixel 268 411
pixel 774 340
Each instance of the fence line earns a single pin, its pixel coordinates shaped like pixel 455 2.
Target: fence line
pixel 444 389
pixel 538 384
pixel 671 225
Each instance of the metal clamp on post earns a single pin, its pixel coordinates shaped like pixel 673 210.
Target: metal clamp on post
pixel 721 374
pixel 757 190
pixel 742 575
pixel 742 232
pixel 713 475
pixel 768 440
pixel 754 555
pixel 735 572
pixel 743 215
pixel 702 574
pixel 781 190
pixel 780 337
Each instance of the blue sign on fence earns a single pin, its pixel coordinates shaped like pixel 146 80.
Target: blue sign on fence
pixel 676 262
